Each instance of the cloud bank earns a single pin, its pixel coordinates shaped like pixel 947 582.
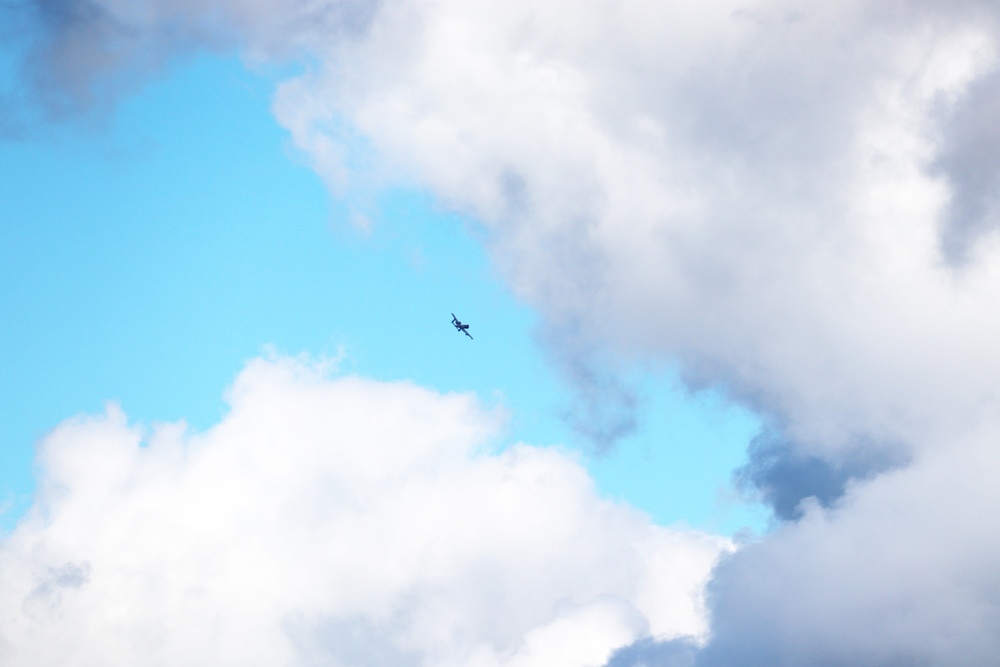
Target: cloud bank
pixel 794 202
pixel 765 193
pixel 336 522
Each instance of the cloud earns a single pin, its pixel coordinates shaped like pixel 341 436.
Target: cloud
pixel 770 195
pixel 606 406
pixel 737 189
pixel 793 202
pixel 332 521
pixel 756 193
pixel 967 158
pixel 899 574
pixel 78 55
pixel 781 476
pixel 83 55
pixel 648 652
pixel 900 571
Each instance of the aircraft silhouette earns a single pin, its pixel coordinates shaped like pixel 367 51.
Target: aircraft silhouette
pixel 464 328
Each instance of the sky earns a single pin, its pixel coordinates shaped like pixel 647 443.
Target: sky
pixel 731 272
pixel 188 238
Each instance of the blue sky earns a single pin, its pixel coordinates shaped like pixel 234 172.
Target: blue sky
pixel 709 252
pixel 147 259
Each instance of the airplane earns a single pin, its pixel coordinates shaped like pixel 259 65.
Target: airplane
pixel 464 328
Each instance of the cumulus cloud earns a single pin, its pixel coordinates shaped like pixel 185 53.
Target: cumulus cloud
pixel 334 521
pixel 794 202
pixel 753 190
pixel 900 573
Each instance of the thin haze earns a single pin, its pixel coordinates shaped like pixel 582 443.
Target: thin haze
pixel 794 202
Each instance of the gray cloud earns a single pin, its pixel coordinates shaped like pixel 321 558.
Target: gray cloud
pixel 737 215
pixel 648 652
pixel 83 55
pixel 898 576
pixel 351 641
pixel 782 475
pixel 762 203
pixel 47 594
pixel 968 159
pixel 762 194
pixel 900 571
pixel 605 408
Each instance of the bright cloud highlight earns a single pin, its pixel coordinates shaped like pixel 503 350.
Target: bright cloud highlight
pixel 333 521
pixel 767 193
pixel 793 202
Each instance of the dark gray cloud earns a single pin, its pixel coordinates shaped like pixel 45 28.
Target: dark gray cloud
pixel 782 473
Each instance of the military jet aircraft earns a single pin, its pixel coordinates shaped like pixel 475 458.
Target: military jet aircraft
pixel 464 328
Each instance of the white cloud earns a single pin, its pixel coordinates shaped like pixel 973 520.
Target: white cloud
pixel 793 200
pixel 901 573
pixel 747 188
pixel 332 521
pixel 768 192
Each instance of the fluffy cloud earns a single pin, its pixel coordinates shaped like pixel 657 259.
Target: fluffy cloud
pixel 337 522
pixel 900 573
pixel 795 202
pixel 759 191
pixel 792 201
